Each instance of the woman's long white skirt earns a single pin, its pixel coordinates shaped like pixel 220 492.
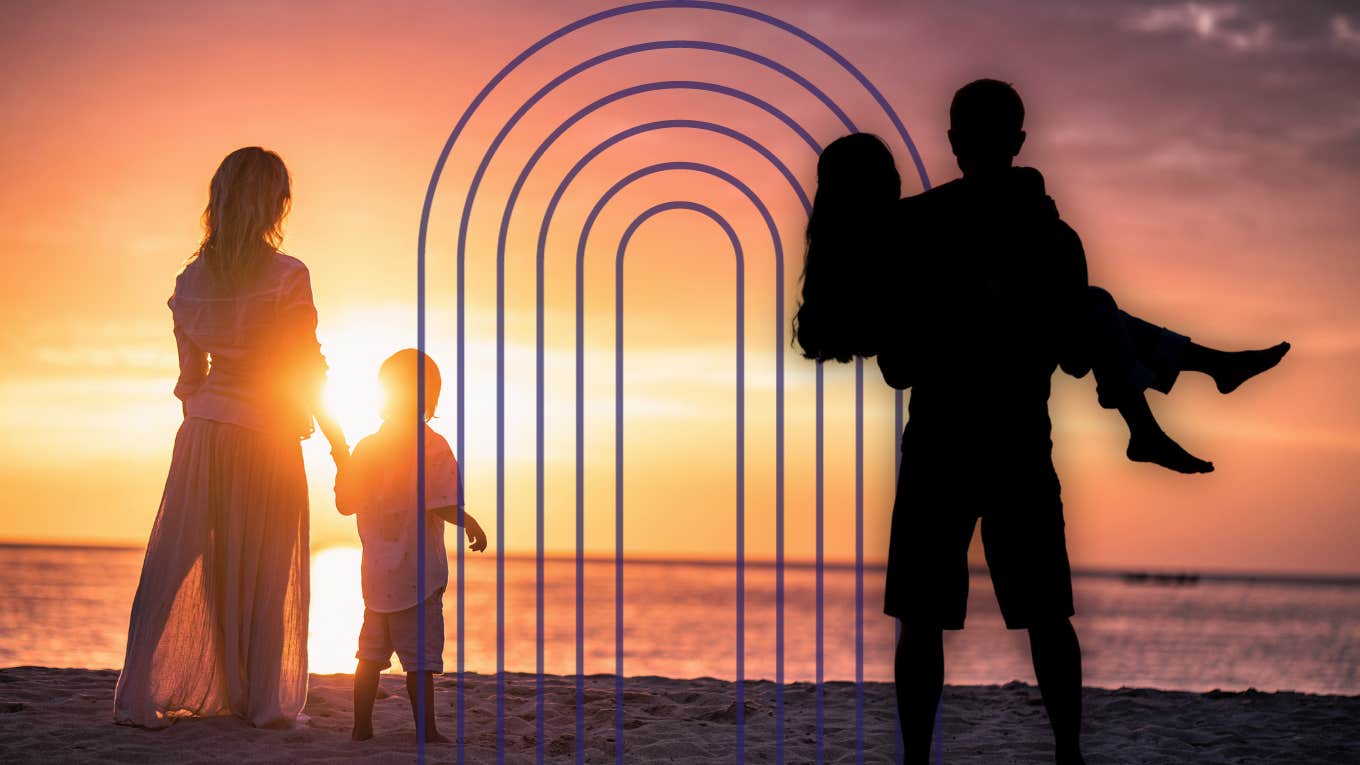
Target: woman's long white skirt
pixel 219 623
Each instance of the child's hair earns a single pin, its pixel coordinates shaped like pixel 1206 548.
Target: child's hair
pixel 398 378
pixel 248 199
pixel 838 316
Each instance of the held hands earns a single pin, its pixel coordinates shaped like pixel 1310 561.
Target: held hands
pixel 340 454
pixel 334 434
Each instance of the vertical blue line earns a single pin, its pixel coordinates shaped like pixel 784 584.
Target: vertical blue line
pixel 462 483
pixel 741 506
pixel 618 506
pixel 779 513
pixel 580 513
pixel 821 547
pixel 897 471
pixel 538 486
pixel 420 549
pixel 500 511
pixel 859 560
pixel 420 502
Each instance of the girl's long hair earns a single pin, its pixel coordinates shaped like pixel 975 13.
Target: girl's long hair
pixel 840 314
pixel 248 199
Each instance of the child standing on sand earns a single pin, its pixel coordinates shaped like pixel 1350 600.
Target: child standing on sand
pixel 377 484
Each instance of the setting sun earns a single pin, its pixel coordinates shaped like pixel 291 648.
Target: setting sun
pixel 355 347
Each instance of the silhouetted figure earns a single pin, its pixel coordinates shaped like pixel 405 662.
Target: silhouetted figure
pixel 376 487
pixel 219 621
pixel 972 294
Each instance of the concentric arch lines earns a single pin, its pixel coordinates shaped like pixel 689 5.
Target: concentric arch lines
pixel 618 428
pixel 464 224
pixel 580 382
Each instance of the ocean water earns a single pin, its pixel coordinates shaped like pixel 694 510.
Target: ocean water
pixel 68 607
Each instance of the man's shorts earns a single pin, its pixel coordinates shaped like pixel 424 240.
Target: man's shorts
pixel 384 633
pixel 1022 535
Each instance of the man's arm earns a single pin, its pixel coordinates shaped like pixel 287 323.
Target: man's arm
pixel 894 362
pixel 901 275
pixel 1071 299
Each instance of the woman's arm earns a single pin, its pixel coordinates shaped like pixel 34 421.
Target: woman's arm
pixel 193 367
pixel 305 366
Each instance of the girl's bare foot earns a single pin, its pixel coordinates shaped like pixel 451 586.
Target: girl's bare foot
pixel 1235 368
pixel 1157 447
pixel 361 733
pixel 435 738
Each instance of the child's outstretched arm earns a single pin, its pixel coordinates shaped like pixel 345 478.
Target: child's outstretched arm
pixel 454 514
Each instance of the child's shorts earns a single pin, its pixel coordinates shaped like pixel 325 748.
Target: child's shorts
pixel 384 633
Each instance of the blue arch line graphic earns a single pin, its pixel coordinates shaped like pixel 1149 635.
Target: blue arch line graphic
pixel 464 223
pixel 580 378
pixel 539 286
pixel 422 242
pixel 740 453
pixel 580 479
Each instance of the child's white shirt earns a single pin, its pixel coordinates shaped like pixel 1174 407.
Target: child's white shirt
pixel 378 485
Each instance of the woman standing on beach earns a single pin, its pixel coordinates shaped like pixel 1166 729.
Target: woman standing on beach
pixel 219 622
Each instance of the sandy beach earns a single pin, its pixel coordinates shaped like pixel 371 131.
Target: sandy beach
pixel 64 715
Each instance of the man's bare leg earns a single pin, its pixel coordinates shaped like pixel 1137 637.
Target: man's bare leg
pixel 918 678
pixel 1057 665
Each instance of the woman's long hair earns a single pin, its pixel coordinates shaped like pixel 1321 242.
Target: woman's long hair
pixel 839 316
pixel 248 199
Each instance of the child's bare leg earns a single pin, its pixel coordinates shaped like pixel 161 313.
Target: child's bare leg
pixel 1149 443
pixel 413 681
pixel 1231 368
pixel 365 691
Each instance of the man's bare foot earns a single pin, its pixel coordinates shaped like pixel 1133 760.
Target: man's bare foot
pixel 1159 449
pixel 1072 757
pixel 361 733
pixel 1239 366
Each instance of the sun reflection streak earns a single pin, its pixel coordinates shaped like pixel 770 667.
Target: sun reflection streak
pixel 337 610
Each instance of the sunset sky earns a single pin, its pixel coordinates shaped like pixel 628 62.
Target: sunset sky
pixel 1207 153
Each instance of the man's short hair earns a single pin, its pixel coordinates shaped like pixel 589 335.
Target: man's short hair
pixel 987 107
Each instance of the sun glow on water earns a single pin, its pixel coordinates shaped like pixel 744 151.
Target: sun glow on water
pixel 337 610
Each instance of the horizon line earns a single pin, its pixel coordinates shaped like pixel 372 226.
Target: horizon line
pixel 1148 576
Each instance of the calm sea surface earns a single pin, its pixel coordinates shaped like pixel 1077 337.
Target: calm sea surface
pixel 68 607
